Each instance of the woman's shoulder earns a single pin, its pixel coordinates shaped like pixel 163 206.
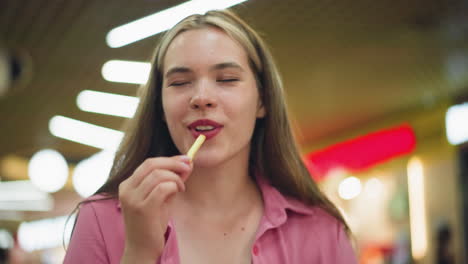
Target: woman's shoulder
pixel 103 213
pixel 322 217
pixel 299 213
pixel 313 235
pixel 98 235
pixel 100 205
pixel 101 198
pixel 314 218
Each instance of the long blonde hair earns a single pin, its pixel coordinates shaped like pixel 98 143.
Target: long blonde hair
pixel 274 152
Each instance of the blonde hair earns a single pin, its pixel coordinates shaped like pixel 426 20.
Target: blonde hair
pixel 274 152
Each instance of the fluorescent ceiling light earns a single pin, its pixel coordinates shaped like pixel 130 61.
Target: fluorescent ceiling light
pixel 134 72
pixel 85 133
pixel 36 206
pixel 45 233
pixel 90 174
pixel 107 103
pixel 24 196
pixel 417 206
pixel 20 191
pixel 162 21
pixel 456 124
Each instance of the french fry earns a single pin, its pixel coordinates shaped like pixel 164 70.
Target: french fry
pixel 196 145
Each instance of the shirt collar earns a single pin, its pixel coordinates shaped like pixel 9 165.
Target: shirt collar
pixel 276 204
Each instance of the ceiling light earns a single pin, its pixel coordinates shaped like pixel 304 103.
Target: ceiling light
pixel 24 196
pixel 349 188
pixel 90 174
pixel 456 124
pixel 85 133
pixel 122 71
pixel 30 206
pixel 45 233
pixel 162 21
pixel 48 170
pixel 107 103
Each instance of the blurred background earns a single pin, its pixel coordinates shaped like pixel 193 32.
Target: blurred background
pixel 378 91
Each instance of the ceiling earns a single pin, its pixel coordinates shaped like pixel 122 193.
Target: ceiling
pixel 344 63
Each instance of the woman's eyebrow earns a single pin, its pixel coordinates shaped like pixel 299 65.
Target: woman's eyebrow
pixel 224 65
pixel 177 70
pixel 219 66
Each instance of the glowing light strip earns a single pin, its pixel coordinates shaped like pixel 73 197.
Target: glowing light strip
pixel 162 21
pixel 417 205
pixel 362 152
pixel 45 233
pixel 122 71
pixel 85 133
pixel 23 196
pixel 107 103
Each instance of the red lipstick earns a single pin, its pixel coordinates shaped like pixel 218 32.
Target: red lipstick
pixel 207 127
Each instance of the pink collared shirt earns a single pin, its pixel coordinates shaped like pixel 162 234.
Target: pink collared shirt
pixel 289 232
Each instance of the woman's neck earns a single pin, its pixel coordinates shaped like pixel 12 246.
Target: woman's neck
pixel 228 187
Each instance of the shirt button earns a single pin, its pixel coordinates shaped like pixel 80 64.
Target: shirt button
pixel 255 250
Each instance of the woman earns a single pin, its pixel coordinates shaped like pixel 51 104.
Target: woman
pixel 246 197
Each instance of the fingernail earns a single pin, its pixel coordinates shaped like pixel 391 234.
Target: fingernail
pixel 186 159
pixel 186 165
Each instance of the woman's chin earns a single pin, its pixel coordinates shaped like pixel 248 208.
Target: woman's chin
pixel 207 161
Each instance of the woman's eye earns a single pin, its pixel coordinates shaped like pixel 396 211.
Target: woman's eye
pixel 228 80
pixel 178 83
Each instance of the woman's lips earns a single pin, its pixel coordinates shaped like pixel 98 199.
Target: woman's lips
pixel 208 133
pixel 204 123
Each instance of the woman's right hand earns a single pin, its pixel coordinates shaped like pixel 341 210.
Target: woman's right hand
pixel 145 199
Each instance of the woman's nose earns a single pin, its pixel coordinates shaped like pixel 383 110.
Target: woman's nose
pixel 203 96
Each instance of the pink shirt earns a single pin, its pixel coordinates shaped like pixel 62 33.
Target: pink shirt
pixel 289 232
